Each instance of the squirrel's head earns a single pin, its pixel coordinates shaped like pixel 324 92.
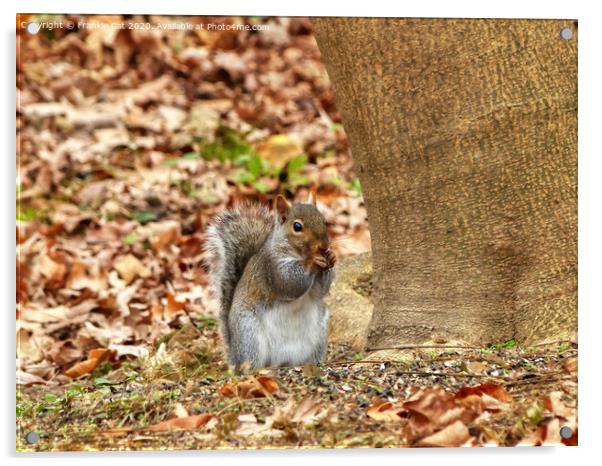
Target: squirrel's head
pixel 303 225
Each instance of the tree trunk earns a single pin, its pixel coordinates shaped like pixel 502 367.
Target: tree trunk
pixel 464 135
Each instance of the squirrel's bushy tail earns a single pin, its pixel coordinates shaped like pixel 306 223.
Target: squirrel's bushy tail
pixel 233 237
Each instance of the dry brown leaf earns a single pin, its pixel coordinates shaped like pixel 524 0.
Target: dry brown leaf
pixel 24 378
pixel 182 423
pixel 305 412
pixel 83 276
pixel 570 365
pixel 279 150
pixel 30 347
pixel 254 387
pixel 173 307
pixel 492 390
pixel 95 357
pixel 51 269
pixel 129 268
pixel 382 410
pixel 454 435
pixel 164 233
pixel 250 427
pixel 553 403
pixel 55 318
pixel 429 403
pixel 65 352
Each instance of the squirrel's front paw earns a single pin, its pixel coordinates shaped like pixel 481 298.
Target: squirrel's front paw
pixel 325 260
pixel 320 261
pixel 330 258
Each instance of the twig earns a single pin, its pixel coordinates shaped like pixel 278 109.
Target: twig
pixel 422 346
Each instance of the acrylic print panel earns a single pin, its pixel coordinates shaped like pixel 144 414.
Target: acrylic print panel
pixel 195 267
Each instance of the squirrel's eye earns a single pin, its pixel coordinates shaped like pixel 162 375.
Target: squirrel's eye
pixel 297 226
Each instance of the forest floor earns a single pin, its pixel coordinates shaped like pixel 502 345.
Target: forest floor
pixel 128 142
pixel 183 397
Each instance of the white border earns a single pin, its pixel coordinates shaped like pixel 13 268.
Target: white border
pixel 590 259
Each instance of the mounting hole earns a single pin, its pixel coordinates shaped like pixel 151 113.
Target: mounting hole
pixel 566 432
pixel 566 33
pixel 33 28
pixel 32 437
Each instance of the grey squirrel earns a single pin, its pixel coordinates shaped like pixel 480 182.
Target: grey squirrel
pixel 270 271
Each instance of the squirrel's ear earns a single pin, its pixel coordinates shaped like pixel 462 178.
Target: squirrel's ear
pixel 311 199
pixel 282 207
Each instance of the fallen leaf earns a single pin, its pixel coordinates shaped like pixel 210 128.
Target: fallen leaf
pixel 129 268
pixel 227 390
pixel 385 411
pixel 182 423
pixel 427 405
pixel 83 276
pixel 254 387
pixel 173 307
pixel 164 233
pixel 305 412
pixel 492 390
pixel 570 365
pixel 279 149
pixel 250 427
pixel 554 404
pixel 51 269
pixel 65 352
pixel 454 435
pixel 24 378
pixel 95 357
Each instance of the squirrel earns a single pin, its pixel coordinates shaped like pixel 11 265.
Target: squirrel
pixel 270 270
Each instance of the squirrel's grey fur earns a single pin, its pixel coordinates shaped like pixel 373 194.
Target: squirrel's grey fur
pixel 271 305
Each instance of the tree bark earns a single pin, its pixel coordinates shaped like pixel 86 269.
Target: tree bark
pixel 464 135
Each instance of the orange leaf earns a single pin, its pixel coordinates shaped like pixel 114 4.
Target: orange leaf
pixel 95 357
pixel 182 423
pixel 495 391
pixel 227 390
pixel 385 411
pixel 254 387
pixel 268 384
pixel 173 306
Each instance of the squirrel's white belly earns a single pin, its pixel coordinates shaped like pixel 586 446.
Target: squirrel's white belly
pixel 292 332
